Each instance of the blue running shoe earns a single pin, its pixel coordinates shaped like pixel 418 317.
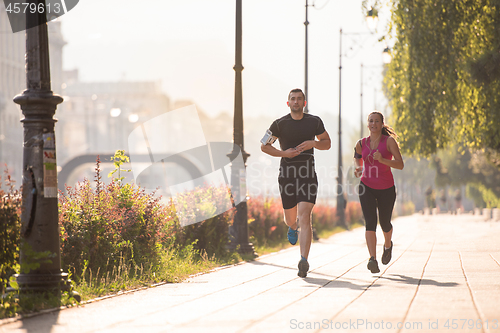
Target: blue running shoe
pixel 293 236
pixel 303 267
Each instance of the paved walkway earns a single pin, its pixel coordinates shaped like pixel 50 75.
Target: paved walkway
pixel 444 277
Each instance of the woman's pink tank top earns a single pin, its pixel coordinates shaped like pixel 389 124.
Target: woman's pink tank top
pixel 375 174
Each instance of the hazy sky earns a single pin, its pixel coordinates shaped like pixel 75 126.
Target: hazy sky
pixel 188 45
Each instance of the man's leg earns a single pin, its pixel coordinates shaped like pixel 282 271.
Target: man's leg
pixel 305 235
pixel 291 217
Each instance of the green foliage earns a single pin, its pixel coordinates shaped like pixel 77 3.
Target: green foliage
pixel 444 78
pixel 490 199
pixel 13 304
pixel 10 211
pixel 211 235
pixel 462 166
pixel 472 192
pixel 32 260
pixel 118 159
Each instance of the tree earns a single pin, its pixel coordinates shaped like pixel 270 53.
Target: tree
pixel 460 166
pixel 444 79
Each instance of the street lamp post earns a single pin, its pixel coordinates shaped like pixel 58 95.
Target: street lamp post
pixel 40 223
pixel 361 104
pixel 238 169
pixel 341 200
pixel 340 193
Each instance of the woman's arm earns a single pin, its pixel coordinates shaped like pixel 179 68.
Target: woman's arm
pixel 393 148
pixel 358 161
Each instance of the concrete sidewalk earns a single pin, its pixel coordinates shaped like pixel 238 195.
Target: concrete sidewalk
pixel 444 277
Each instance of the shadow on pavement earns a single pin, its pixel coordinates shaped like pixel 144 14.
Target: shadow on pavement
pixel 337 283
pixel 43 324
pixel 331 281
pixel 295 269
pixel 414 281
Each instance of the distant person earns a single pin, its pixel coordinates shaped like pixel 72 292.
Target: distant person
pixel 429 193
pixel 458 201
pixel 374 156
pixel 442 200
pixel 297 179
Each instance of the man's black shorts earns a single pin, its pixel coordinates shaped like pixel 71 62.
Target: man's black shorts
pixel 299 189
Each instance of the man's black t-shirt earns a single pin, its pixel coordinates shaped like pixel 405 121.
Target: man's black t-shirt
pixel 291 133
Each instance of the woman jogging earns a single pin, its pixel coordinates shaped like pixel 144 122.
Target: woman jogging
pixel 374 156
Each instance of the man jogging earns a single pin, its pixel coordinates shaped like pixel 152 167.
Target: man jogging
pixel 297 179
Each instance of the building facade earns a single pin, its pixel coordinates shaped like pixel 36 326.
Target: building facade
pixel 97 117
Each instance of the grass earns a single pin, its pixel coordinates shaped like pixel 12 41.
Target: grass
pixel 174 266
pixel 13 304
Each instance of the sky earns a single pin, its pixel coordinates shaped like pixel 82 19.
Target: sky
pixel 189 46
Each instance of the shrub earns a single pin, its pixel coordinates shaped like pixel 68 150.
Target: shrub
pixel 10 211
pixel 354 214
pixel 324 218
pixel 211 235
pixel 267 226
pixel 265 221
pixel 114 222
pixel 408 208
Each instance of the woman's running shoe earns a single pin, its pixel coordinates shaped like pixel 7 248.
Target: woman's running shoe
pixel 386 257
pixel 373 265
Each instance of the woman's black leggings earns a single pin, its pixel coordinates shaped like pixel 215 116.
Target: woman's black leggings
pixel 370 200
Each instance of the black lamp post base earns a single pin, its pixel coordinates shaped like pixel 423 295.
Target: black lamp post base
pixel 245 248
pixel 43 282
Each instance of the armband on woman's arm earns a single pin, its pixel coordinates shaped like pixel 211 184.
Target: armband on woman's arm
pixel 356 155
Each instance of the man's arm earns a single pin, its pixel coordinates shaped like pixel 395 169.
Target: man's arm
pixel 271 150
pixel 323 143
